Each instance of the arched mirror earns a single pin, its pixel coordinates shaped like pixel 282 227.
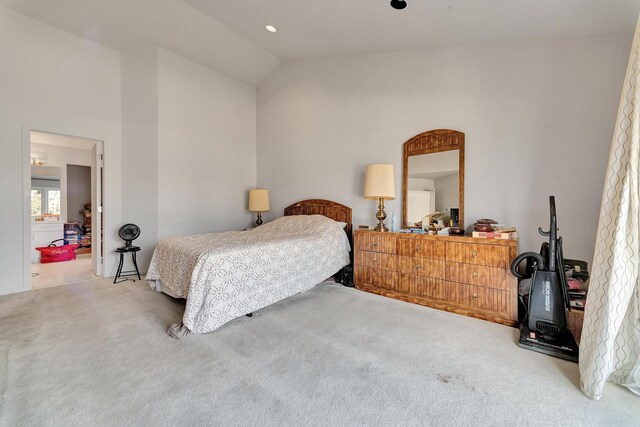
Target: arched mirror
pixel 433 176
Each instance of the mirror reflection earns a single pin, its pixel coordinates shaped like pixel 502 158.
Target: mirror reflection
pixel 432 186
pixel 45 191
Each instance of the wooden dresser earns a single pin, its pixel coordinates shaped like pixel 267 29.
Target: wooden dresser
pixel 464 275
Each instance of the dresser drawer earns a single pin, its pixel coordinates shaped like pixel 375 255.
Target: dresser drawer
pixel 459 274
pixel 377 260
pixel 376 242
pixel 424 286
pixel 376 277
pixel 489 277
pixel 426 248
pixel 421 266
pixel 471 253
pixel 483 298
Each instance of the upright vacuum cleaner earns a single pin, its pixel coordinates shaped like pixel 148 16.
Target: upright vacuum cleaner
pixel 544 328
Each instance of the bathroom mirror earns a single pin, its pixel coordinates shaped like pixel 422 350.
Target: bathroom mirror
pixel 433 176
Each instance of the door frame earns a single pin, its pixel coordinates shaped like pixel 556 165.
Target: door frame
pixel 26 199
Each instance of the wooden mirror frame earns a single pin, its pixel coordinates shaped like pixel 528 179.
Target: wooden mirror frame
pixel 433 141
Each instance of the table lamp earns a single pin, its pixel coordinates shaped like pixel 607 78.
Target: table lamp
pixel 379 184
pixel 259 202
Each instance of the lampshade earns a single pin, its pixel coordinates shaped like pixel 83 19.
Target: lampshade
pixel 380 182
pixel 259 200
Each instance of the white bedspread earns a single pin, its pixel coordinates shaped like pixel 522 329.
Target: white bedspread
pixel 227 275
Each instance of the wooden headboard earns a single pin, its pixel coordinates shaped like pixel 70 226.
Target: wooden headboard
pixel 333 210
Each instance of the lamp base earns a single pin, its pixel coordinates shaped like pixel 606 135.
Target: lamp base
pixel 259 220
pixel 383 228
pixel 381 216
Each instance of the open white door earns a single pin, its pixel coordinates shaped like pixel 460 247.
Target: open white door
pixel 97 164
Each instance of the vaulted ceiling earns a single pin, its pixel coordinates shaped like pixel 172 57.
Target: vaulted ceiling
pixel 230 36
pixel 129 25
pixel 315 28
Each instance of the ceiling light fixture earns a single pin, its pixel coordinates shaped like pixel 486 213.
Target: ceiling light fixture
pixel 271 28
pixel 398 4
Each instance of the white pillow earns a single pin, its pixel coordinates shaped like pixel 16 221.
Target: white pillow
pixel 342 224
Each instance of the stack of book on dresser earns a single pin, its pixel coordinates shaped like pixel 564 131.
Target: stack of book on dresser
pixel 487 228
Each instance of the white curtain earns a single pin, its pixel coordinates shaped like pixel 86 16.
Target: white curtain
pixel 610 344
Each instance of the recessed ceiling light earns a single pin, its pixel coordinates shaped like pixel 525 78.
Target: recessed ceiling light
pixel 271 28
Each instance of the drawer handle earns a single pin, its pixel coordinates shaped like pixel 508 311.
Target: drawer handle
pixel 418 249
pixel 418 267
pixel 475 274
pixel 474 253
pixel 375 244
pixel 475 295
pixel 375 260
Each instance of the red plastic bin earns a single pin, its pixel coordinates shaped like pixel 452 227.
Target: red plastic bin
pixel 53 253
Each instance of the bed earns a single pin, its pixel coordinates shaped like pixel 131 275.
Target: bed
pixel 227 275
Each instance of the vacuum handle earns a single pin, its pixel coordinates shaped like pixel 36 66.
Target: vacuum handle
pixel 514 264
pixel 545 233
pixel 553 235
pixel 563 277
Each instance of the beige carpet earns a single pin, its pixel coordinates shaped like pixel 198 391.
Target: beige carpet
pixel 94 353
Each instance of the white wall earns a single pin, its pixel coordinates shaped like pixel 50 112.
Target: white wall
pixel 431 163
pixel 61 157
pixel 78 191
pixel 140 149
pixel 419 184
pixel 206 148
pixel 179 138
pixel 447 192
pixel 52 81
pixel 538 119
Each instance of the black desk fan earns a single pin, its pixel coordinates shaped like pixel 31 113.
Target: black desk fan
pixel 128 233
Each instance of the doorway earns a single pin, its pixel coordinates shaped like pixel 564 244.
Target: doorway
pixel 63 181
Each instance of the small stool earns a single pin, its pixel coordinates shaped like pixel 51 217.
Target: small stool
pixel 123 250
